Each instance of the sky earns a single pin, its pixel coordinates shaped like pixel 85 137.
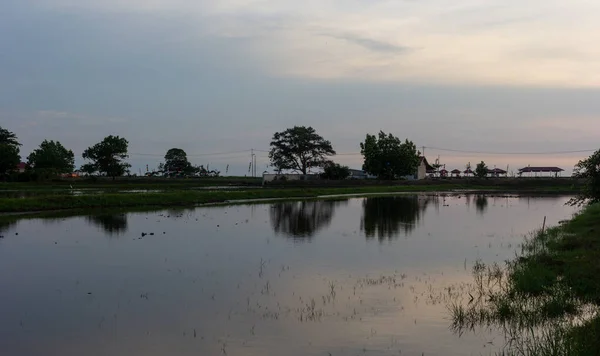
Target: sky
pixel 494 78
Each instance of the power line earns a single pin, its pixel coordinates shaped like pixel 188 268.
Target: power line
pixel 508 153
pixel 190 155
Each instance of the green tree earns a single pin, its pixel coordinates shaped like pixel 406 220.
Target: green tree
pixel 299 148
pixel 481 170
pixel 9 151
pixel 335 171
pixel 589 170
pixel 107 157
pixel 387 157
pixel 52 158
pixel 176 161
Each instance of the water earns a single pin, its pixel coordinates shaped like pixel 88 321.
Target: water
pixel 361 276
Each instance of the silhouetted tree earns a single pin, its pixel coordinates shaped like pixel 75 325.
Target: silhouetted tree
pixel 389 158
pixel 107 157
pixel 51 158
pixel 9 152
pixel 335 171
pixel 589 170
pixel 299 148
pixel 481 170
pixel 176 161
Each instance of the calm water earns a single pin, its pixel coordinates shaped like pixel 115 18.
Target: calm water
pixel 364 276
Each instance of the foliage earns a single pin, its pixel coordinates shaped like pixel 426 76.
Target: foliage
pixel 547 299
pixel 8 138
pixel 387 157
pixel 299 148
pixel 589 170
pixel 9 158
pixel 107 157
pixel 51 158
pixel 176 161
pixel 481 170
pixel 335 171
pixel 9 152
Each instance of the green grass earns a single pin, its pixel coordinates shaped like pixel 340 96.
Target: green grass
pixel 550 299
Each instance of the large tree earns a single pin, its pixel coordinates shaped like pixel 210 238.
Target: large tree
pixel 481 170
pixel 9 151
pixel 589 170
pixel 176 161
pixel 52 158
pixel 299 148
pixel 335 171
pixel 107 157
pixel 387 157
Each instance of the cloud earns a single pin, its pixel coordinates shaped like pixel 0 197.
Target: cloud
pixel 371 44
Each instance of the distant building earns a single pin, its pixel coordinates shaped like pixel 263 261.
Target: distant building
pixel 21 167
pixel 360 174
pixel 456 173
pixel 423 169
pixel 552 171
pixel 496 172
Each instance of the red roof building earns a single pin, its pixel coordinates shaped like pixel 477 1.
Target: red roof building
pixel 21 167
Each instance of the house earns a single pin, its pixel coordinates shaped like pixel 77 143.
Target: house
pixel 496 172
pixel 553 171
pixel 423 169
pixel 21 167
pixel 456 173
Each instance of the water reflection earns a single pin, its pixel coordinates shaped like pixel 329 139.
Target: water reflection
pixel 385 217
pixel 112 224
pixel 302 219
pixel 481 204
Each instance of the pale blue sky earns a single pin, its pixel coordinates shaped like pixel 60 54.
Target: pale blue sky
pixel 220 76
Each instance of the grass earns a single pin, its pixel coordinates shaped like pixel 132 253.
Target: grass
pixel 549 301
pixel 182 197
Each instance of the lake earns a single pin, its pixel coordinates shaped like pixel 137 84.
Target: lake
pixel 358 276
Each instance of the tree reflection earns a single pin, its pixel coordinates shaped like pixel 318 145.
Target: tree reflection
pixel 111 223
pixel 6 225
pixel 385 217
pixel 302 219
pixel 481 204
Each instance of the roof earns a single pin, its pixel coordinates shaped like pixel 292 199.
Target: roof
pixel 22 165
pixel 456 171
pixel 540 169
pixel 497 171
pixel 468 171
pixel 428 167
pixel 357 171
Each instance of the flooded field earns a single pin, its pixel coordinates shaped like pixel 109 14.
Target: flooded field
pixel 360 276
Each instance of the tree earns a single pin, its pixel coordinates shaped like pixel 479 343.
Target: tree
pixel 481 170
pixel 588 170
pixel 9 138
pixel 176 161
pixel 9 151
pixel 299 148
pixel 335 171
pixel 107 157
pixel 387 157
pixel 52 158
pixel 9 158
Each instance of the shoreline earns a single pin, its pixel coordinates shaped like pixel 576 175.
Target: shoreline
pixel 198 198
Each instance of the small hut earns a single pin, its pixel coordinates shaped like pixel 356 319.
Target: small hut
pixel 553 171
pixel 443 173
pixel 468 172
pixel 456 173
pixel 496 172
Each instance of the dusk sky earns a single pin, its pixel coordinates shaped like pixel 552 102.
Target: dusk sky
pixel 506 76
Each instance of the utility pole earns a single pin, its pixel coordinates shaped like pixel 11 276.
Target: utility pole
pixel 253 162
pixel 423 152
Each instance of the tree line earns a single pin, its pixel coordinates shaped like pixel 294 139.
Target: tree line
pixel 297 149
pixel 108 158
